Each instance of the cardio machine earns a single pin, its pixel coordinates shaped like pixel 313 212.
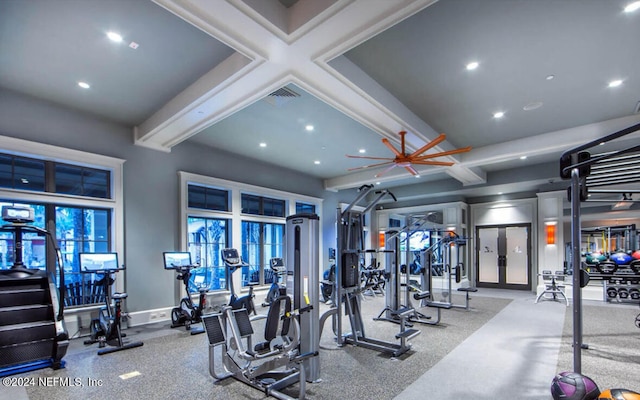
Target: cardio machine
pixel 233 261
pixel 106 329
pixel 277 288
pixel 186 313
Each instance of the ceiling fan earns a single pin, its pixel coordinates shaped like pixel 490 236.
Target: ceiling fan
pixel 408 160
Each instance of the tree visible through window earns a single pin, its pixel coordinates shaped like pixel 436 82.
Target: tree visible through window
pixel 206 237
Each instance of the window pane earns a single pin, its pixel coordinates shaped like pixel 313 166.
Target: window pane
pixel 305 208
pixel 28 174
pixel 273 246
pixel 82 230
pixel 273 207
pixel 68 180
pixel 208 198
pixel 95 183
pixel 6 171
pixel 206 237
pixel 33 246
pixel 250 204
pixel 251 238
pixel 197 197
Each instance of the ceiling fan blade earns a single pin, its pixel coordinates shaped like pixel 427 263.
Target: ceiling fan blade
pixel 369 166
pixel 429 145
pixel 389 168
pixel 386 142
pixel 371 158
pixel 440 163
pixel 411 170
pixel 443 153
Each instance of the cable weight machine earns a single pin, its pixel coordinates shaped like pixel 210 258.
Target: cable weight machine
pixel 347 290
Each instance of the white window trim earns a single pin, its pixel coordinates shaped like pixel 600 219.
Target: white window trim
pixel 48 152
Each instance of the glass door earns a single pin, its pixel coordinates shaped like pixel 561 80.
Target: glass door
pixel 503 256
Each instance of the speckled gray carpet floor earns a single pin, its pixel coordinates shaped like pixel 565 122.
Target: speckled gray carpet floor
pixel 613 357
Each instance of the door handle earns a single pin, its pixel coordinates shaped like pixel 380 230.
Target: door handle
pixel 502 261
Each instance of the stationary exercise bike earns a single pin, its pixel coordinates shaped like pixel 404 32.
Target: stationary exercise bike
pixel 277 288
pixel 233 261
pixel 186 313
pixel 106 329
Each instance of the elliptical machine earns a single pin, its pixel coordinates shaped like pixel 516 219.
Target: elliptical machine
pixel 186 313
pixel 277 288
pixel 106 329
pixel 233 261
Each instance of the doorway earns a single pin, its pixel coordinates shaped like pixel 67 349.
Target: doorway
pixel 503 256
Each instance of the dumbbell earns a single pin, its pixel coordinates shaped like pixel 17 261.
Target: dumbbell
pixel 623 293
pixel 612 292
pixel 634 293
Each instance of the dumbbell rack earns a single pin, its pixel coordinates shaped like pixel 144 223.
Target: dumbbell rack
pixel 625 288
pixel 622 285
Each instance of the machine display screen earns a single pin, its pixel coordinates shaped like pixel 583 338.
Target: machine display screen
pixel 99 262
pixel 173 260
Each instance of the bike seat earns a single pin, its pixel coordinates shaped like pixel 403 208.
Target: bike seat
pixel 119 296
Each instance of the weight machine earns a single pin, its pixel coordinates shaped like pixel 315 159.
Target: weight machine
pixel 288 352
pixel 584 171
pixel 394 306
pixel 449 241
pixel 347 289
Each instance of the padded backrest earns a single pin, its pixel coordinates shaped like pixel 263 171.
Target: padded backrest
pixel 559 275
pixel 277 319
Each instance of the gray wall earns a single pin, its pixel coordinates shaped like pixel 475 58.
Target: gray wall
pixel 151 200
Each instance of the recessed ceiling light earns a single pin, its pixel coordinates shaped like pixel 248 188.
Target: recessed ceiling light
pixel 615 83
pixel 377 183
pixel 309 128
pixel 631 7
pixel 263 144
pixel 114 37
pixel 498 114
pixel 84 85
pixel 532 106
pixel 417 176
pixel 601 143
pixel 472 65
pixel 499 192
pixel 134 45
pixel 549 77
pixel 316 162
pixel 523 157
pixel 362 151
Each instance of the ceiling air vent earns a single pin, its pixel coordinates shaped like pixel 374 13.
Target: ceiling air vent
pixel 281 97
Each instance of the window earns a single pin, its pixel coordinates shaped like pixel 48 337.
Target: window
pixel 33 246
pixel 258 205
pixel 206 237
pixel 76 230
pixel 31 174
pixel 79 230
pixel 81 181
pixel 208 198
pixel 261 241
pixel 305 208
pixel 21 173
pixel 75 195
